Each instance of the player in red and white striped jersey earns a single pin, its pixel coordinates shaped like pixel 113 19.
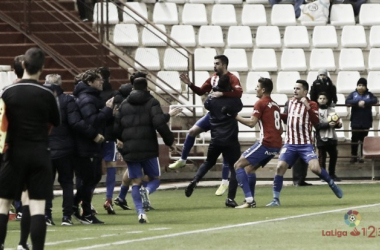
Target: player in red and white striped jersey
pixel 302 114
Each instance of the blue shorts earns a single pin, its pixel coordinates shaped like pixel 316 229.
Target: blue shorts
pixel 109 151
pixel 150 167
pixel 290 152
pixel 204 122
pixel 259 154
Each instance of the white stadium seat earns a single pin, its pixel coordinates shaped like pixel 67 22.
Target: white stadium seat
pixel 126 35
pixel 200 77
pixel 342 110
pixel 256 1
pixel 198 101
pixel 229 1
pixel 112 13
pixel 194 14
pixel 237 59
pixel 293 60
pixel 11 77
pixel 184 34
pixel 268 37
pixel 353 36
pixel 210 36
pixel 283 15
pixel 252 79
pixel 148 57
pixel 322 58
pixel 373 81
pixel 176 59
pixel 204 59
pixel 202 1
pixel 280 99
pixel 153 37
pixel 264 60
pixel 351 59
pixel 240 37
pixel 286 81
pixel 223 15
pixel 369 14
pixel 374 59
pixel 148 1
pixel 130 17
pixel 325 37
pixel 342 14
pixel 172 79
pixel 254 15
pixel 374 36
pixel 296 36
pixel 4 80
pixel 165 13
pixel 346 81
pixel 248 100
pixel 246 134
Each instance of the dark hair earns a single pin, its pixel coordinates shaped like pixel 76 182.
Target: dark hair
pixel 90 76
pixel 104 72
pixel 137 75
pixel 323 93
pixel 140 83
pixel 304 83
pixel 224 84
pixel 222 58
pixel 17 66
pixel 78 78
pixel 266 84
pixel 34 60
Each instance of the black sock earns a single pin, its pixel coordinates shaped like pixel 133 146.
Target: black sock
pixel 38 231
pixel 24 226
pixel 3 227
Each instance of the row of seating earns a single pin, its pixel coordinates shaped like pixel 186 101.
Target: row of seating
pixel 262 59
pixel 241 36
pixel 7 78
pixel 225 14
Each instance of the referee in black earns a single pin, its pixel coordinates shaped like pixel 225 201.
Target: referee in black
pixel 31 110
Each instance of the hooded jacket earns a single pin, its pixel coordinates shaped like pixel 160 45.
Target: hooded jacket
pixel 361 118
pixel 139 117
pixel 323 86
pixel 325 134
pixel 95 114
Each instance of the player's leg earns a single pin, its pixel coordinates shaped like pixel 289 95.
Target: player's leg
pixel 5 205
pixel 25 221
pixel 225 173
pixel 232 154
pixel 49 203
pixel 200 126
pixel 65 171
pixel 361 139
pixel 135 174
pixel 109 156
pixel 151 169
pixel 333 154
pixel 354 146
pixel 121 199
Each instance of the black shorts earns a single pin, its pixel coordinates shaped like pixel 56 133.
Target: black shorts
pixel 26 167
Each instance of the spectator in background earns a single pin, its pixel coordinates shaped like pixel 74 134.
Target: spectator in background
pixel 297 4
pixel 324 84
pixel 356 5
pixel 361 102
pixel 17 67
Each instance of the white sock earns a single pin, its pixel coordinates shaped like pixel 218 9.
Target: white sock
pixel 225 182
pixel 183 160
pixel 249 199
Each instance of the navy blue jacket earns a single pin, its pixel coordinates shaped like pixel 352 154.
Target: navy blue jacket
pixel 224 127
pixel 139 117
pixel 95 114
pixel 361 118
pixel 106 94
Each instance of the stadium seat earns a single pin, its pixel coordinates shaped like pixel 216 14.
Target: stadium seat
pixel 254 15
pixel 322 58
pixel 369 14
pixel 252 79
pixel 152 37
pixel 200 77
pixel 374 59
pixel 325 37
pixel 5 67
pixel 11 77
pixel 248 100
pixel 112 13
pixel 257 1
pixel 237 59
pixel 340 134
pixel 374 36
pixel 130 17
pixel 184 34
pixel 283 15
pixel 293 60
pixel 351 59
pixel 296 36
pixel 346 81
pixel 176 59
pixel 239 37
pixel 264 60
pixel 172 79
pixel 342 14
pixel 342 111
pixel 126 35
pixel 210 36
pixel 202 1
pixel 286 81
pixel 204 59
pixel 148 1
pixel 194 14
pixel 235 73
pixel 177 1
pixel 371 151
pixel 4 80
pixel 373 81
pixel 229 1
pixel 198 110
pixel 268 37
pixel 353 37
pixel 223 15
pixel 246 134
pixel 280 99
pixel 148 57
pixel 165 13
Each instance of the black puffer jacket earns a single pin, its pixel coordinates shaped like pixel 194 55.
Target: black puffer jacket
pixel 95 114
pixel 136 123
pixel 107 94
pixel 326 86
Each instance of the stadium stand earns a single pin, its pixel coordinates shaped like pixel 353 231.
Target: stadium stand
pixel 268 37
pixel 210 36
pixel 130 17
pixel 296 37
pixel 254 15
pixel 184 34
pixel 194 14
pixel 293 60
pixel 126 35
pixel 171 77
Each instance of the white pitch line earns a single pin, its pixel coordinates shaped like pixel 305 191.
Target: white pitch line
pixel 221 228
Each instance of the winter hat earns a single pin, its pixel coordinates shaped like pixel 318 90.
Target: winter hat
pixel 322 72
pixel 362 81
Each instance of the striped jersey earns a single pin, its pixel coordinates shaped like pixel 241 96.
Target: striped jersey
pixel 268 113
pixel 300 121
